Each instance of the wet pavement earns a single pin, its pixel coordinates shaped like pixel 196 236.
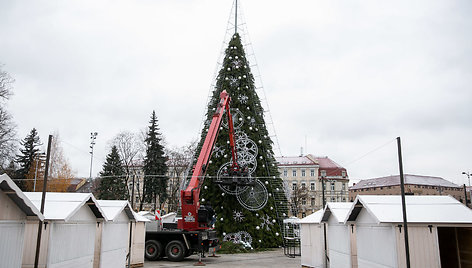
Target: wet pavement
pixel 275 258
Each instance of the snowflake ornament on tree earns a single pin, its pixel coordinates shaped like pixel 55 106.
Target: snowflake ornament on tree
pixel 266 222
pixel 238 216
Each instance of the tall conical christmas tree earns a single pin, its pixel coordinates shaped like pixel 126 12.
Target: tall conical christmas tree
pixel 248 213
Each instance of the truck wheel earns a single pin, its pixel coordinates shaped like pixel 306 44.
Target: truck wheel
pixel 175 250
pixel 153 250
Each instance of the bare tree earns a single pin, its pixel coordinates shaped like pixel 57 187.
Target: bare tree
pixel 179 160
pixel 5 84
pixel 8 142
pixel 298 197
pixel 131 149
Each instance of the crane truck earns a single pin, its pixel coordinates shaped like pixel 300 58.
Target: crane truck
pixel 194 233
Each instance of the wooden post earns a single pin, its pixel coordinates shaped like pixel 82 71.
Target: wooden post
pixel 402 187
pixel 43 199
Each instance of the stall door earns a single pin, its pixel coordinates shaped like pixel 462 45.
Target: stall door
pixel 11 243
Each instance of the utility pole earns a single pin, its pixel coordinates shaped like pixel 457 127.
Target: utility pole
pixel 402 187
pixel 43 199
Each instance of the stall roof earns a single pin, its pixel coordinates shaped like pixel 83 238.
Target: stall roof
pixel 419 208
pixel 313 218
pixel 62 206
pixel 19 198
pixel 113 208
pixel 139 217
pixel 339 210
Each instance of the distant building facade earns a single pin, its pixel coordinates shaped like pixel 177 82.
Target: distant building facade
pixel 414 185
pixel 303 175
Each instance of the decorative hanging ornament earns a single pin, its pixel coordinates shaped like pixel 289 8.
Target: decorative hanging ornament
pixel 236 57
pixel 230 57
pixel 229 69
pixel 257 227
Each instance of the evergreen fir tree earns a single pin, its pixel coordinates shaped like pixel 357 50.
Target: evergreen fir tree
pixel 155 169
pixel 112 186
pixel 257 218
pixel 25 159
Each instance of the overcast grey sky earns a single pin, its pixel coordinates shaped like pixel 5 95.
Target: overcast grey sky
pixel 343 77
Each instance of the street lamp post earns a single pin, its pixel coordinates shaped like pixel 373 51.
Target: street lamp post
pixel 93 137
pixel 468 175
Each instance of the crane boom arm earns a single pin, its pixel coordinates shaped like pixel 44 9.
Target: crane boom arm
pixel 191 195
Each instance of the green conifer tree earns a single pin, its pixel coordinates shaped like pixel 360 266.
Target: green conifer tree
pixel 30 148
pixel 112 186
pixel 251 213
pixel 155 169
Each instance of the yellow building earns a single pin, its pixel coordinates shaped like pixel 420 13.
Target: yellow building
pixel 303 178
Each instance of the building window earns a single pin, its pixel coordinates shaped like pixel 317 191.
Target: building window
pixel 303 185
pixel 344 199
pixel 323 173
pixel 343 173
pixel 303 214
pixel 313 202
pixel 303 201
pixel 312 172
pixel 332 186
pixel 344 186
pixel 333 199
pixel 312 186
pixel 294 172
pixel 294 186
pixel 285 172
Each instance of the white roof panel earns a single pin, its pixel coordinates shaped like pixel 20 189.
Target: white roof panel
pixel 62 206
pixel 420 209
pixel 339 210
pixel 112 208
pixel 138 217
pixel 313 218
pixel 19 198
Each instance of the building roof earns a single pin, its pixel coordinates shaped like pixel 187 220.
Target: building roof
pixel 62 206
pixel 325 162
pixel 420 209
pixel 19 198
pixel 339 210
pixel 295 161
pixel 313 218
pixel 112 208
pixel 409 179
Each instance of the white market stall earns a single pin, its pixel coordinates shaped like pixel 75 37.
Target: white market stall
pixel 338 234
pixel 15 209
pixel 439 229
pixel 312 240
pixel 68 236
pixel 139 239
pixel 112 238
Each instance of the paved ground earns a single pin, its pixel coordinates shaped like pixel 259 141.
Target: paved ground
pixel 274 258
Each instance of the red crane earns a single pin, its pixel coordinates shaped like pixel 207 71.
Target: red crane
pixel 194 218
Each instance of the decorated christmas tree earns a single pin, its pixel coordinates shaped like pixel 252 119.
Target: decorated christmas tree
pixel 253 213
